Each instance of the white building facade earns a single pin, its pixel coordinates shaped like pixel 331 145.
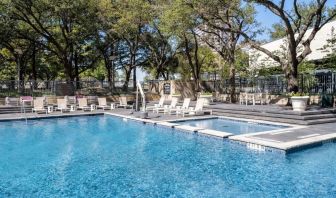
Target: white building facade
pixel 260 60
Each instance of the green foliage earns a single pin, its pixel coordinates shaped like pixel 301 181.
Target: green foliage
pixel 98 72
pixel 278 31
pixel 293 94
pixel 7 67
pixel 65 40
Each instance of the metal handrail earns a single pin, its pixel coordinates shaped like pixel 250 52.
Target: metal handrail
pixel 139 89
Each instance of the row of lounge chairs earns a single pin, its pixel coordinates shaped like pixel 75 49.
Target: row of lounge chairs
pixel 73 103
pixel 64 106
pixel 183 110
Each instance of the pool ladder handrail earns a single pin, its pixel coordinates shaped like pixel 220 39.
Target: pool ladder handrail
pixel 143 96
pixel 23 111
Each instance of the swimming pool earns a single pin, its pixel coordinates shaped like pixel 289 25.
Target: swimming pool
pixel 103 156
pixel 231 126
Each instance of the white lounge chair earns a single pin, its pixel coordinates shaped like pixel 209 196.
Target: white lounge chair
pixel 165 108
pixel 160 104
pixel 242 98
pixel 70 100
pixel 62 105
pixel 185 105
pixel 83 105
pixel 196 110
pixel 38 106
pixel 42 98
pixel 12 101
pixel 123 102
pixel 260 98
pixel 103 104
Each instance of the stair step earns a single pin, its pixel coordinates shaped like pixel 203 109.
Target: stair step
pixel 284 116
pixel 272 119
pixel 321 121
pixel 272 111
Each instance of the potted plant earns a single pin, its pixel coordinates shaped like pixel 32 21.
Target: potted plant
pixel 207 97
pixel 299 101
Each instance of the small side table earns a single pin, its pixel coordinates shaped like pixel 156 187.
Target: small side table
pixel 113 106
pixel 93 107
pixel 50 109
pixel 72 108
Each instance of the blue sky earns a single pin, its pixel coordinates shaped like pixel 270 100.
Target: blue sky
pixel 266 18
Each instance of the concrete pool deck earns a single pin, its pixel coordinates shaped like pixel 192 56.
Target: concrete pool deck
pixel 292 139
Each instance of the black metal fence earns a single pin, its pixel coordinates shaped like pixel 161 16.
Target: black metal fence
pixel 320 83
pixel 39 88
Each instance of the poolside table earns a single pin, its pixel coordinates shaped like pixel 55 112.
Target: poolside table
pixel 72 108
pixel 93 107
pixel 50 109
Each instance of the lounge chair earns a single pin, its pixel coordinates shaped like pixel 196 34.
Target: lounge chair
pixel 92 99
pixel 260 98
pixel 70 100
pixel 26 99
pixel 39 106
pixel 62 105
pixel 103 104
pixel 166 108
pixel 160 104
pixel 196 110
pixel 123 102
pixel 177 109
pixel 83 105
pixel 12 101
pixel 42 98
pixel 242 98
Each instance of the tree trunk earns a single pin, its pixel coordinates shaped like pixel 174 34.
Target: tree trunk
pixel 112 75
pixel 127 78
pixel 291 72
pixel 109 75
pixel 109 69
pixel 232 86
pixel 133 64
pixel 232 76
pixel 134 78
pixel 34 73
pixel 20 67
pixel 68 70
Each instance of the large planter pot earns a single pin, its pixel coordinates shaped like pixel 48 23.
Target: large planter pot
pixel 299 103
pixel 207 99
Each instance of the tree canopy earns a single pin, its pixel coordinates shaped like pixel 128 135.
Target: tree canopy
pixel 71 40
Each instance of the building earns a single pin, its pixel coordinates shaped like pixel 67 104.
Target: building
pixel 259 59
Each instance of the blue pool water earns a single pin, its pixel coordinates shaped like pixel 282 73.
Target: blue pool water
pixel 105 157
pixel 231 126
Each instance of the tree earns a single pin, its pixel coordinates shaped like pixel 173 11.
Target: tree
pixel 330 50
pixel 278 31
pixel 130 28
pixel 64 29
pixel 301 24
pixel 107 39
pixel 162 58
pixel 15 48
pixel 217 16
pixel 181 20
